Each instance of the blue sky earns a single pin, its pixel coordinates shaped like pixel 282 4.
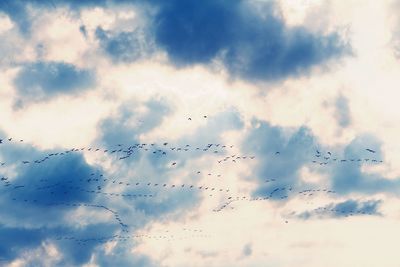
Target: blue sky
pixel 199 133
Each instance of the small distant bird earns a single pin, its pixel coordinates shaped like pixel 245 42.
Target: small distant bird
pixel 189 119
pixel 370 150
pixel 205 117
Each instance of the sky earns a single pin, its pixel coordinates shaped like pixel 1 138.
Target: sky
pixel 255 133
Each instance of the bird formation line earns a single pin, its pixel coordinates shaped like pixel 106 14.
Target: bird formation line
pixel 270 196
pixel 126 238
pixel 67 204
pixel 103 188
pixel 128 150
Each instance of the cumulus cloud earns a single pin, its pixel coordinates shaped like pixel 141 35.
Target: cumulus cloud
pixel 345 167
pixel 200 33
pixel 280 155
pixel 30 194
pixel 253 45
pixel 43 80
pixel 346 208
pixel 123 47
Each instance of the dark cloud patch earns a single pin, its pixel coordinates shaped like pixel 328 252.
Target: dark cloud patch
pixel 344 209
pixel 194 31
pixel 75 255
pixel 18 10
pixel 28 214
pixel 64 172
pixel 342 111
pixel 247 250
pixel 347 178
pixel 43 80
pixel 13 240
pixel 281 153
pixel 35 186
pixel 251 41
pixel 353 206
pixel 123 47
pixel 122 256
pixel 33 223
pixel 83 30
pixel 251 45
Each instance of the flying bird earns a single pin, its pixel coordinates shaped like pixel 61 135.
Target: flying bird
pixel 370 150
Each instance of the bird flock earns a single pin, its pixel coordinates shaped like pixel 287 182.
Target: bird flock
pixel 96 188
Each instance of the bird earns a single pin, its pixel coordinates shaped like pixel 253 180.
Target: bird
pixel 370 150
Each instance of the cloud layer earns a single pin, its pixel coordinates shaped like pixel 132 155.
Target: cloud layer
pixel 198 133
